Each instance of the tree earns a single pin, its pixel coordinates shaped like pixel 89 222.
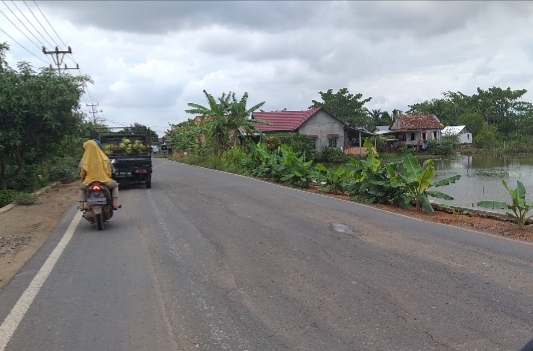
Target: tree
pixel 137 128
pixel 385 119
pixel 375 115
pixel 347 107
pixel 37 110
pixel 222 119
pixel 474 121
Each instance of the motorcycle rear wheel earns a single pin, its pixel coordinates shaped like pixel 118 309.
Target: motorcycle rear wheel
pixel 100 221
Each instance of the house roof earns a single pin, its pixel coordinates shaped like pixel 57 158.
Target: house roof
pixel 453 130
pixel 283 121
pixel 419 122
pixel 380 128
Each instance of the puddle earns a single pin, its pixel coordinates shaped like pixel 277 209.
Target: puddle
pixel 342 228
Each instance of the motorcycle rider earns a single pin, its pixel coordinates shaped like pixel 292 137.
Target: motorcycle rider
pixel 95 166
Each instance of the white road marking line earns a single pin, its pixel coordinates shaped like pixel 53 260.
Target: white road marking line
pixel 10 324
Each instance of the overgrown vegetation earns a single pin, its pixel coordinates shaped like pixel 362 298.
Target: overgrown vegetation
pixel 38 111
pixel 403 183
pixel 519 207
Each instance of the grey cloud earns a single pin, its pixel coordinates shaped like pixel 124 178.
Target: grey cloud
pixel 142 93
pixel 168 16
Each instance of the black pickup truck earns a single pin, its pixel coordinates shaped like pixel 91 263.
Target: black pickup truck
pixel 129 153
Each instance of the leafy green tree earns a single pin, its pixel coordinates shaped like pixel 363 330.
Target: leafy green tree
pixel 385 119
pixel 486 136
pixel 473 120
pixel 223 118
pixel 347 107
pixel 37 111
pixel 375 115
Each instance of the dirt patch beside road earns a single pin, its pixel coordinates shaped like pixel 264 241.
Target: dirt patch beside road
pixel 23 229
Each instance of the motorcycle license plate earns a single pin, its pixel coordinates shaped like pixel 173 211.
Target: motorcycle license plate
pixel 96 201
pixel 122 174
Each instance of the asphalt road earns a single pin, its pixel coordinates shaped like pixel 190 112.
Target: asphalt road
pixel 206 260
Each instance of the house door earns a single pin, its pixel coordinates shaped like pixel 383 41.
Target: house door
pixel 424 136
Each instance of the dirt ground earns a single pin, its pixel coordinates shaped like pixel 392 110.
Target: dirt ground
pixel 23 229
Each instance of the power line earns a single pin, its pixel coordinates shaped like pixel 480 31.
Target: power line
pixel 46 40
pixel 120 124
pixel 29 31
pixel 18 29
pixel 48 24
pixel 24 47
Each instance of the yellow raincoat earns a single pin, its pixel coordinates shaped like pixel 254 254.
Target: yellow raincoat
pixel 94 165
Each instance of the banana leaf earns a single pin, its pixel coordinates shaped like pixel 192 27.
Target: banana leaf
pixel 424 203
pixel 447 181
pixel 424 180
pixel 439 195
pixel 411 167
pixel 492 204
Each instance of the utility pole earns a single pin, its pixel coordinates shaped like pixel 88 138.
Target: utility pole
pixel 94 111
pixel 58 60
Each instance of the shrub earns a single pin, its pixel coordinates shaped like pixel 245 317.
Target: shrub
pixel 333 155
pixel 299 143
pixel 30 179
pixel 25 199
pixel 232 159
pixel 444 148
pixel 7 196
pixel 63 173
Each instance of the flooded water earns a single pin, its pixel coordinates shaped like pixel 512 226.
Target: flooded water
pixel 481 176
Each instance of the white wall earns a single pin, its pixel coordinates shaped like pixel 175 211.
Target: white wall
pixel 322 124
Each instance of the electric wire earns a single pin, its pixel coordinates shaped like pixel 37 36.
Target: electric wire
pixel 22 33
pixel 48 24
pixel 46 40
pixel 23 46
pixel 70 56
pixel 29 31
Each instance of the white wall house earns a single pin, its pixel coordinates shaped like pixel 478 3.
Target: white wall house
pixel 464 134
pixel 321 128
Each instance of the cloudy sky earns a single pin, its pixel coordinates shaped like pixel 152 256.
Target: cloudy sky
pixel 148 59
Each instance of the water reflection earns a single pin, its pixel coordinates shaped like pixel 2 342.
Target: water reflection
pixel 481 176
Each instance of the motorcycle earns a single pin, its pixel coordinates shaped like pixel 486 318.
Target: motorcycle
pixel 98 204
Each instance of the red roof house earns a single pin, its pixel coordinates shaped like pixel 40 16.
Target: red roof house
pixel 414 129
pixel 321 127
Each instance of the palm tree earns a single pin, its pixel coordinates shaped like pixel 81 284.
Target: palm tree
pixel 375 115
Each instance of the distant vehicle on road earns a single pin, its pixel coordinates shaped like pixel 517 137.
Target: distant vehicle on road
pixel 155 149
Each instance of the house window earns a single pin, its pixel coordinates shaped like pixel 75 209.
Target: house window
pixel 467 136
pixel 424 136
pixel 435 135
pixel 312 140
pixel 412 136
pixel 333 140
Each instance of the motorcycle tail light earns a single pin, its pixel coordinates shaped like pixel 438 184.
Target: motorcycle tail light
pixel 96 188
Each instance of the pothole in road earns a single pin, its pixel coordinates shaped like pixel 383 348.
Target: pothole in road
pixel 342 228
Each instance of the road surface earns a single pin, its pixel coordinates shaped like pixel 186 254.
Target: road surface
pixel 206 260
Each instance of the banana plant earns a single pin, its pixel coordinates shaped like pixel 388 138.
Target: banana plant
pixel 335 180
pixel 519 206
pixel 294 169
pixel 413 182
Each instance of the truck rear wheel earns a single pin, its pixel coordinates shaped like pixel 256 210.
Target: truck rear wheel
pixel 148 181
